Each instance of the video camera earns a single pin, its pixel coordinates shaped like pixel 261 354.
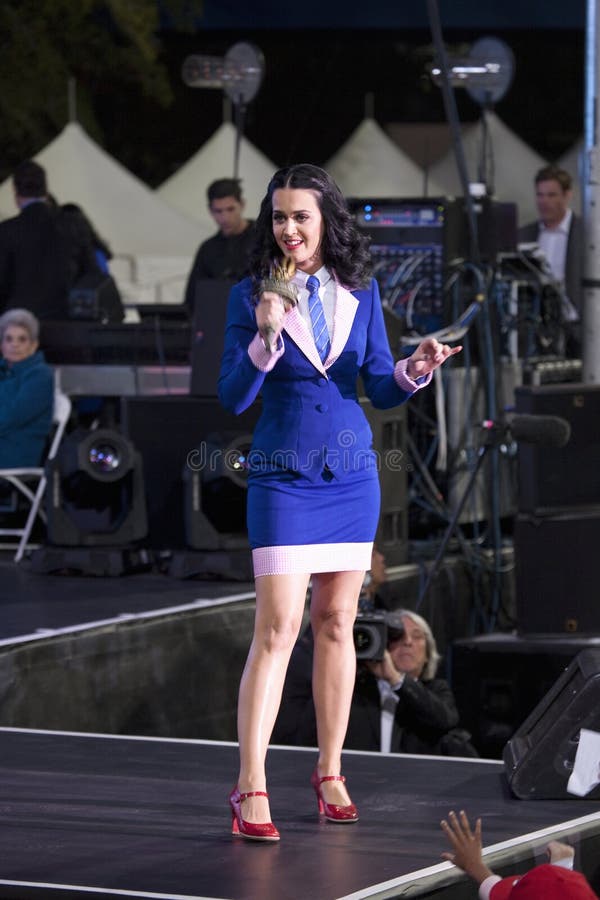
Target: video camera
pixel 370 636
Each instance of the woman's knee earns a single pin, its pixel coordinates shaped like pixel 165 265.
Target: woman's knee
pixel 277 636
pixel 334 626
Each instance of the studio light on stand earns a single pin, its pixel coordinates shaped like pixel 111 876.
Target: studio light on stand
pixel 215 493
pixel 486 74
pixel 239 73
pixel 94 499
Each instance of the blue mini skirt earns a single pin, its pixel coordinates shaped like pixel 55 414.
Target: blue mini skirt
pixel 298 525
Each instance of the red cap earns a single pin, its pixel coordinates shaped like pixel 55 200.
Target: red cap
pixel 547 882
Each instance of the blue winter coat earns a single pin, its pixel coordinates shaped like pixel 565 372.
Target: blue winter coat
pixel 26 404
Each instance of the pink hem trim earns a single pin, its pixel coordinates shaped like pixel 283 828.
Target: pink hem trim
pixel 297 559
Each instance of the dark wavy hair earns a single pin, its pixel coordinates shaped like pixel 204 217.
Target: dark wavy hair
pixel 344 249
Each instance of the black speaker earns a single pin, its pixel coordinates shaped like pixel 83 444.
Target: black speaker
pixel 554 477
pixel 96 298
pixel 389 442
pixel 208 333
pixel 556 572
pixel 498 679
pixel 539 758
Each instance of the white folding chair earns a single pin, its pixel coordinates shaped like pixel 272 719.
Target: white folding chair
pixel 30 482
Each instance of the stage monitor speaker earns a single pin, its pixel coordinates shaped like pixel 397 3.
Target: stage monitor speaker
pixel 498 679
pixel 555 477
pixel 555 572
pixel 208 334
pixel 539 758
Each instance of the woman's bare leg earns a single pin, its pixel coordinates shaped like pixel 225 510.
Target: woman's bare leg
pixel 333 611
pixel 280 601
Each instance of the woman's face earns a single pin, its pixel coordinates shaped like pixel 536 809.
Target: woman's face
pixel 17 344
pixel 409 651
pixel 298 227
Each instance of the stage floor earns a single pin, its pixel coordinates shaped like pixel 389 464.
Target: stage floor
pixel 31 602
pixel 106 816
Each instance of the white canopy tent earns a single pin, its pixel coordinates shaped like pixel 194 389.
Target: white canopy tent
pixel 186 189
pixel 514 164
pixel 152 242
pixel 370 164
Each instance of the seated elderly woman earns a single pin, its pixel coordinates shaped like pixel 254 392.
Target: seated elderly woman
pixel 26 391
pixel 398 704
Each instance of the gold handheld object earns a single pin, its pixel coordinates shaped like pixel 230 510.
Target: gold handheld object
pixel 279 281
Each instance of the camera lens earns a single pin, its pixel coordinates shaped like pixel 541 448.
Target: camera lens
pixel 363 639
pixel 369 636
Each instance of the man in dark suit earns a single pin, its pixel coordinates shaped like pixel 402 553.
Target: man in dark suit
pixel 41 254
pixel 559 233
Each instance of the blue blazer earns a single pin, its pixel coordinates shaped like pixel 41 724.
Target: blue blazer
pixel 311 415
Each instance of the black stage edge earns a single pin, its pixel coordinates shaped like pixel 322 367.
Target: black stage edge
pixel 102 816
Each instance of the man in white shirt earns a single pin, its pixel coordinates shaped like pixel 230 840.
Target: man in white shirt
pixel 559 233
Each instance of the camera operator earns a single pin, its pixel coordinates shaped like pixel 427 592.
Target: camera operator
pixel 398 704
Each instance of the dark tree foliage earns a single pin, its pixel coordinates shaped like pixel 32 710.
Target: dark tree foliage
pixel 105 48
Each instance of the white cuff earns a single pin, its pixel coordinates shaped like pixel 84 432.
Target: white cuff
pixel 566 862
pixel 487 884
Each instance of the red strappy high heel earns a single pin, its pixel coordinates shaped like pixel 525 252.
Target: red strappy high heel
pixel 331 811
pixel 252 831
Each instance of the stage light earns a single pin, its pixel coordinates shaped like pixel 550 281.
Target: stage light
pixel 239 73
pixel 215 492
pixel 105 455
pixel 96 491
pixel 486 72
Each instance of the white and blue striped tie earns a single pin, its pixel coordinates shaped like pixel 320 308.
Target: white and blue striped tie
pixel 317 317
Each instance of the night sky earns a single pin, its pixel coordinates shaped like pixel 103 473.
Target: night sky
pixel 315 89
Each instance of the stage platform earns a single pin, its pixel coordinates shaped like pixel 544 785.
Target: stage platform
pixel 33 603
pixel 104 816
pixel 93 809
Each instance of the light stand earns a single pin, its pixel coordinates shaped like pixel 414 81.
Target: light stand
pixel 493 436
pixel 239 73
pixel 486 74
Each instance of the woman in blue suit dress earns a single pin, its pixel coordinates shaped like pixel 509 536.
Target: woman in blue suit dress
pixel 313 487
